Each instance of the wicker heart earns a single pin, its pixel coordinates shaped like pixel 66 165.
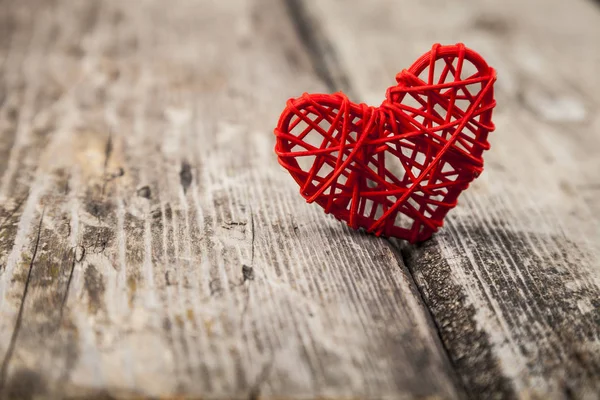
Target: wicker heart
pixel 396 169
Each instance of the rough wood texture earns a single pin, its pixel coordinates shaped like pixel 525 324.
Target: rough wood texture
pixel 139 252
pixel 513 279
pixel 141 256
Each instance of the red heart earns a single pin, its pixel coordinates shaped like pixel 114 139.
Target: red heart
pixel 396 169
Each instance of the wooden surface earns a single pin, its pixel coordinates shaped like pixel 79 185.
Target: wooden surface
pixel 512 280
pixel 140 254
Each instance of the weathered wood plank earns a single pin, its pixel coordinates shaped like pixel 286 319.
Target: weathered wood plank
pixel 150 244
pixel 513 279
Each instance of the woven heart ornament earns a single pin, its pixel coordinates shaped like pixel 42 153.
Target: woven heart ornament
pixel 397 169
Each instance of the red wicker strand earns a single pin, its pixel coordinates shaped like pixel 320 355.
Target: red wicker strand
pixel 396 169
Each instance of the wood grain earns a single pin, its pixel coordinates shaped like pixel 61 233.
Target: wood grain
pixel 149 243
pixel 513 280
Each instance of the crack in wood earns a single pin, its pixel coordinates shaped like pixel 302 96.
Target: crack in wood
pixel 74 261
pixel 17 328
pixel 405 259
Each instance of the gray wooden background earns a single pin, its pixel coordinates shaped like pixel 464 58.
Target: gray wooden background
pixel 151 246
